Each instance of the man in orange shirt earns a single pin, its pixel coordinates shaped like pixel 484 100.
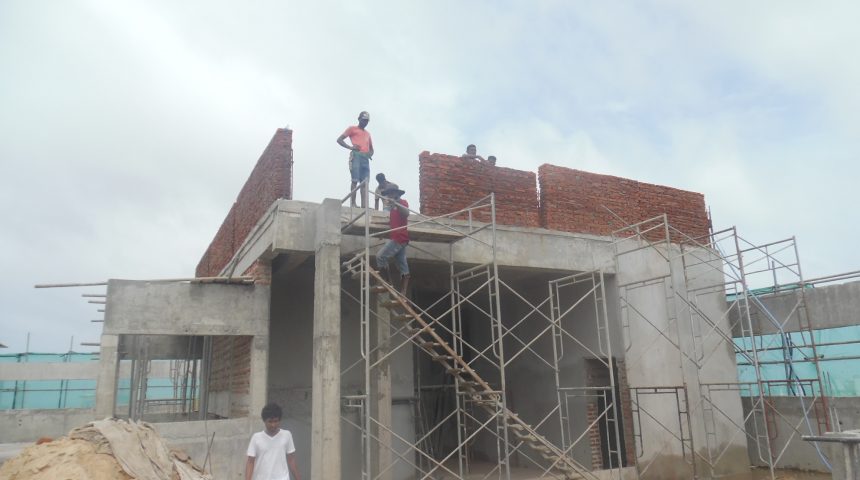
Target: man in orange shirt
pixel 359 156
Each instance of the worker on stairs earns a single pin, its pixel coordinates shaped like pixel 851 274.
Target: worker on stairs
pixel 398 239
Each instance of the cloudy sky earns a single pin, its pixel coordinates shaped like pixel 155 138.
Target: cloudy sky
pixel 127 128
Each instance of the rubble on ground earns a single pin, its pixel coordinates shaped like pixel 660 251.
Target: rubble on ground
pixel 104 450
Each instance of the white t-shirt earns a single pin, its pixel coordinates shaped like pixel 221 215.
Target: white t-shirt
pixel 271 455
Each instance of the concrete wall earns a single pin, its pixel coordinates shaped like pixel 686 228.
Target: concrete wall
pixel 29 425
pixel 229 442
pixel 531 382
pixel 290 361
pixel 667 346
pixel 827 306
pixel 798 453
pixel 172 309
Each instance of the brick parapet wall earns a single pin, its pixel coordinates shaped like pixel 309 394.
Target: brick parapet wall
pixel 569 200
pixel 449 183
pixel 573 200
pixel 270 180
pixel 231 371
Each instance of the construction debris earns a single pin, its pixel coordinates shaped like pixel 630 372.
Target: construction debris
pixel 106 449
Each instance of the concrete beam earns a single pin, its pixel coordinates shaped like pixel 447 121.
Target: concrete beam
pixel 259 375
pixel 325 396
pixel 516 246
pixel 135 307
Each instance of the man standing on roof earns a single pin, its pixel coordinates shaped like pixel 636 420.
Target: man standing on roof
pixel 398 238
pixel 360 153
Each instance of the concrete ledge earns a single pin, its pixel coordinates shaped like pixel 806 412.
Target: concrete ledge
pixel 139 307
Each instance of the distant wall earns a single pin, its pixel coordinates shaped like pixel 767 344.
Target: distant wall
pixel 788 415
pixel 449 183
pixel 270 180
pixel 569 200
pixel 828 306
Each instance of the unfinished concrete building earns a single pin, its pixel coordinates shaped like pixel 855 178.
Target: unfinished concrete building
pixel 559 325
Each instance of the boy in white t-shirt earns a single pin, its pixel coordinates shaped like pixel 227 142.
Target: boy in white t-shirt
pixel 271 450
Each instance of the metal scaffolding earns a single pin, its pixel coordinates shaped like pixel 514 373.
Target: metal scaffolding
pixel 473 403
pixel 721 267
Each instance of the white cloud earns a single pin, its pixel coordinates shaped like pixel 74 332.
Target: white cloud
pixel 128 128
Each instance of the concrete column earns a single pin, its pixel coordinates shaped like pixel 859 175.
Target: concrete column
pixel 381 389
pixel 259 375
pixel 106 386
pixel 325 406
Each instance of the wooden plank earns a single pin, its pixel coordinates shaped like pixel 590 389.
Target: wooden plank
pixel 419 233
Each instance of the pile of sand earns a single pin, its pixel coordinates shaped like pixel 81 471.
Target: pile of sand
pixel 104 450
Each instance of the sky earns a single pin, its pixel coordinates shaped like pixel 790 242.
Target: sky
pixel 127 128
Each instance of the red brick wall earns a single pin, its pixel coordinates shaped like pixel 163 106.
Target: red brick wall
pixel 449 183
pixel 596 376
pixel 573 200
pixel 570 200
pixel 231 371
pixel 261 270
pixel 270 180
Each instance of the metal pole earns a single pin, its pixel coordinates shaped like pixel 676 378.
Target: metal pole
pixel 504 395
pixel 804 312
pixel 365 324
pixel 756 366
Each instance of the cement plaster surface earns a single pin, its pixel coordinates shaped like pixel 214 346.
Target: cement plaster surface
pixel 139 307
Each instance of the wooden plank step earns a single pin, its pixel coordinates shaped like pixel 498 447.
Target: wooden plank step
pixel 401 317
pixel 415 331
pixel 442 358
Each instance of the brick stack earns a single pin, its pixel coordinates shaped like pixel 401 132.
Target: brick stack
pixel 270 180
pixel 574 201
pixel 231 371
pixel 450 183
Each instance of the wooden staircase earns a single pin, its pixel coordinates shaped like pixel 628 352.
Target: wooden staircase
pixel 478 390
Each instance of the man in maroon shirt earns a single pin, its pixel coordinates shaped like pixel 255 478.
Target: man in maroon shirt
pixel 398 239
